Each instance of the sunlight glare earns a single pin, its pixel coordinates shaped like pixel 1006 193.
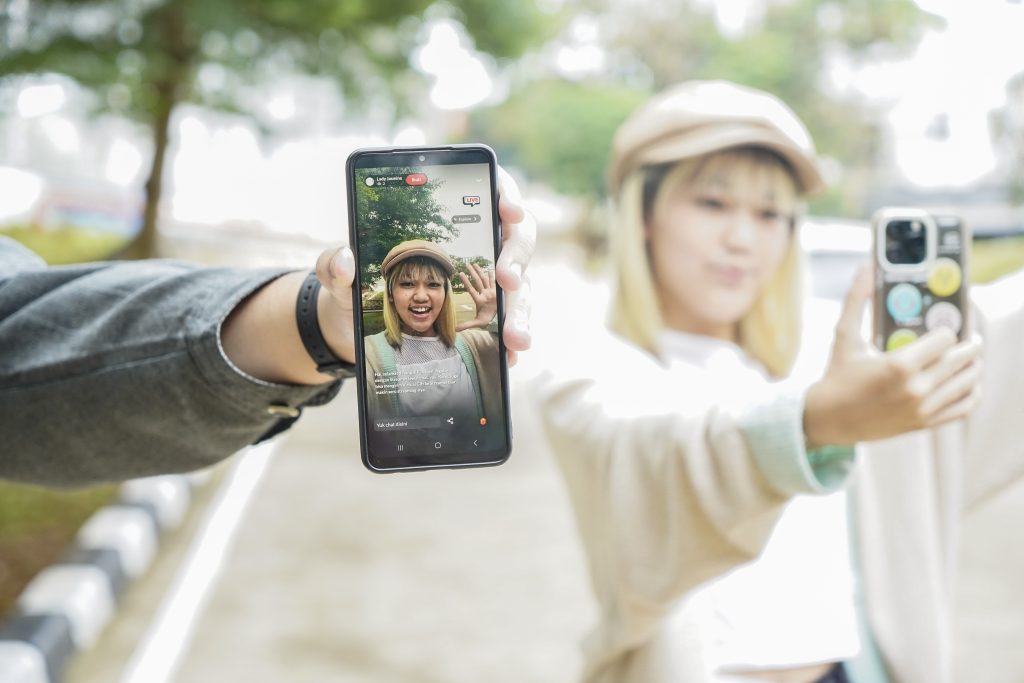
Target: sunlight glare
pixel 39 100
pixel 461 79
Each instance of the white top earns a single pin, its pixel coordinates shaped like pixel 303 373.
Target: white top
pixel 433 387
pixel 794 604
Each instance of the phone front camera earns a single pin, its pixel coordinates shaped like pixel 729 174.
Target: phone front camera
pixel 423 157
pixel 905 242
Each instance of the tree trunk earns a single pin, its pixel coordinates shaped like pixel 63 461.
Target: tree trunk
pixel 169 89
pixel 144 243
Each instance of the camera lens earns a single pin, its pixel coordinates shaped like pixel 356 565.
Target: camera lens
pixel 905 242
pixel 423 158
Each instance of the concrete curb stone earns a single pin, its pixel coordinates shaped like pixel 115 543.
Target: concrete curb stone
pixel 66 606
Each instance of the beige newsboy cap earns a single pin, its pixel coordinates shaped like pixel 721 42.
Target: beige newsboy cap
pixel 410 248
pixel 699 117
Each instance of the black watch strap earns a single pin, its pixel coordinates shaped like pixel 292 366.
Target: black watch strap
pixel 312 338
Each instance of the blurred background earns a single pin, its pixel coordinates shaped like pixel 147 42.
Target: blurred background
pixel 217 131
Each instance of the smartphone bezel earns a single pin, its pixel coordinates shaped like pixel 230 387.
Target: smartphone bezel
pixel 384 157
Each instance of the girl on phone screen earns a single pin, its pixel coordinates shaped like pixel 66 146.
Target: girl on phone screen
pixel 424 362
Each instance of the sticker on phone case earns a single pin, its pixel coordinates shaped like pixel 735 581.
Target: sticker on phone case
pixel 944 314
pixel 945 277
pixel 900 338
pixel 904 302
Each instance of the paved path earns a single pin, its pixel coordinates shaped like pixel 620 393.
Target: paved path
pixel 343 575
pixel 337 574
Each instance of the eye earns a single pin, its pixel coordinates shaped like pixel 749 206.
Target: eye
pixel 769 215
pixel 406 284
pixel 434 285
pixel 709 202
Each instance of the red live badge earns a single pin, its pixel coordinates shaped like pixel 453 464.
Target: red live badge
pixel 416 179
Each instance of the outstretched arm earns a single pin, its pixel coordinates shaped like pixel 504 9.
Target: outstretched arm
pixel 123 369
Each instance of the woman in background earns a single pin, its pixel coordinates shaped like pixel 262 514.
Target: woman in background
pixel 680 446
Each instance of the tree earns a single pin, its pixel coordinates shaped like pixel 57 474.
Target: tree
pixel 462 266
pixel 561 130
pixel 142 58
pixel 390 214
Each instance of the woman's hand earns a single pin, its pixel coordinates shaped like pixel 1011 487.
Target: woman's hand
pixel 867 395
pixel 484 294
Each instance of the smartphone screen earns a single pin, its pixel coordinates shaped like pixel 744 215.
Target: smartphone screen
pixel 433 389
pixel 920 275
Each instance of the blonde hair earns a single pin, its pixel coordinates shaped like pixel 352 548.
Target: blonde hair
pixel 413 268
pixel 770 330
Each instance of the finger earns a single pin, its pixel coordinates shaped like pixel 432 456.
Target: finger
pixel 953 361
pixel 513 357
pixel 520 240
pixel 467 284
pixel 487 279
pixel 336 269
pixel 952 390
pixel 959 410
pixel 510 199
pixel 856 298
pixel 478 277
pixel 849 340
pixel 926 351
pixel 517 334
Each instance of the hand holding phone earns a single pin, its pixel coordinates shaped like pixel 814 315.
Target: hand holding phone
pixel 925 379
pixel 425 232
pixel 920 275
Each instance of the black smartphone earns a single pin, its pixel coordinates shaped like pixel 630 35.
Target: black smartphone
pixel 433 372
pixel 921 275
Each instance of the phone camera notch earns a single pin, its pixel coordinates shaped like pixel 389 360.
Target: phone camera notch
pixel 906 241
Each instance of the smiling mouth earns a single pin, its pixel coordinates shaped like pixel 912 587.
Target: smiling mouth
pixel 420 310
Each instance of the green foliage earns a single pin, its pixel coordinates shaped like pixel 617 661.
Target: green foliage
pixel 390 214
pixel 991 259
pixel 152 51
pixel 67 244
pixel 373 322
pixel 36 526
pixel 505 29
pixel 462 266
pixel 559 131
pixel 142 59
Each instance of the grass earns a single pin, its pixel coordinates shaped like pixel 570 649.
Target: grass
pixel 992 258
pixel 66 244
pixel 373 322
pixel 36 527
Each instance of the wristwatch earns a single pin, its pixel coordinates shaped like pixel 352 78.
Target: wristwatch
pixel 312 337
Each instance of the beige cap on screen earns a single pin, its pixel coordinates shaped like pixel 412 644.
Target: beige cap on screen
pixel 410 248
pixel 699 117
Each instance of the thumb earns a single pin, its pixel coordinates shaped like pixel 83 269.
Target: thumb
pixel 848 340
pixel 336 269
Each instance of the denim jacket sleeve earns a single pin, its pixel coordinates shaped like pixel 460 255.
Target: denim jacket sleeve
pixel 115 370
